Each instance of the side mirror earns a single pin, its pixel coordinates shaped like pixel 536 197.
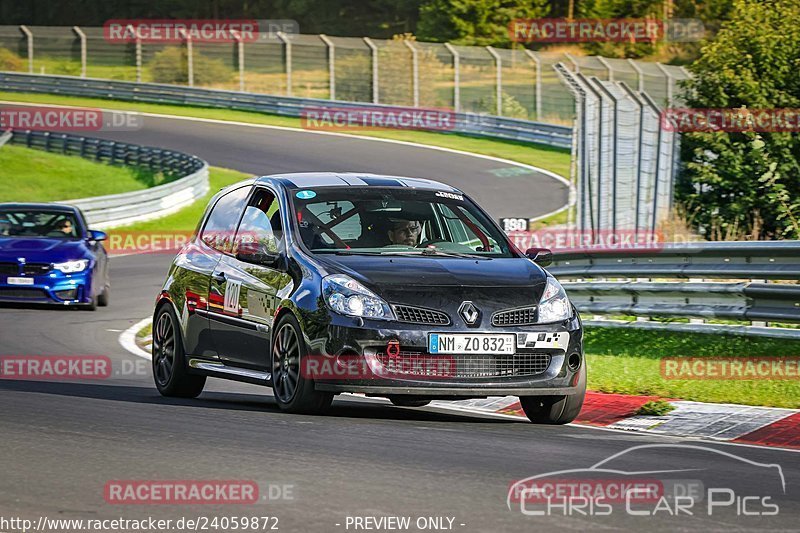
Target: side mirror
pixel 98 236
pixel 541 256
pixel 270 260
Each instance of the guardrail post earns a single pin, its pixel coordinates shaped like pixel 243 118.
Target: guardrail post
pixel 456 76
pixel 29 36
pixel 82 37
pixel 537 84
pixel 287 60
pixel 498 81
pixel 414 72
pixel 331 65
pixel 374 49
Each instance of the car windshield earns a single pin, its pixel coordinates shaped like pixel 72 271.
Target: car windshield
pixel 38 223
pixel 385 221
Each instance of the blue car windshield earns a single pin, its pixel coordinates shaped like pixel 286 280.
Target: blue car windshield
pixel 391 220
pixel 38 223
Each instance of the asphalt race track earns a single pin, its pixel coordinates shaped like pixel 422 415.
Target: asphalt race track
pixel 62 442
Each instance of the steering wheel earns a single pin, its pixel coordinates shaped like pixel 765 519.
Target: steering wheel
pixel 428 243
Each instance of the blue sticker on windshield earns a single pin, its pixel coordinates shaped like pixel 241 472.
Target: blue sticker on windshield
pixel 306 195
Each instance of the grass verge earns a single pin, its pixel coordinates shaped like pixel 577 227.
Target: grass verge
pixel 553 159
pixel 629 362
pixel 32 175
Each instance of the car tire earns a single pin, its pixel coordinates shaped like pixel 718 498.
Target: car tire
pixel 293 392
pixel 102 298
pixel 170 372
pixel 408 401
pixel 555 409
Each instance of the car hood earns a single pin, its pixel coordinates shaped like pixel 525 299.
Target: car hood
pixel 441 282
pixel 41 250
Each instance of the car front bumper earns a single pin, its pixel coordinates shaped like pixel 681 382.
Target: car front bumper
pixel 539 366
pixel 51 288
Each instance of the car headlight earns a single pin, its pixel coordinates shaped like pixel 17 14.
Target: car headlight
pixel 71 267
pixel 554 305
pixel 348 297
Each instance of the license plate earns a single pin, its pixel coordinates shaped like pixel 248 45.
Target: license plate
pixel 472 343
pixel 20 281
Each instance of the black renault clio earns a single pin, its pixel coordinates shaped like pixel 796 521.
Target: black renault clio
pixel 318 284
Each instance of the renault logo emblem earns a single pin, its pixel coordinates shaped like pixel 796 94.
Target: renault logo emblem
pixel 469 313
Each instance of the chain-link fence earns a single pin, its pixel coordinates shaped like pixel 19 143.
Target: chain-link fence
pixel 624 162
pixel 515 83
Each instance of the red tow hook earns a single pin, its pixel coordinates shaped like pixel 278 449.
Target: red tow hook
pixel 393 349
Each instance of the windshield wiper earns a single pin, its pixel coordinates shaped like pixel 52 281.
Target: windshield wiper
pixel 428 252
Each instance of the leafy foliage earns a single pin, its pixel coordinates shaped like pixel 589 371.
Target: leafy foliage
pixel 749 182
pixel 475 22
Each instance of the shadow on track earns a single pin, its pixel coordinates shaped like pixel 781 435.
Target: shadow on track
pixel 342 407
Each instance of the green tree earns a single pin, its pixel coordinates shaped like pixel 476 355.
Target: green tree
pixel 748 182
pixel 474 22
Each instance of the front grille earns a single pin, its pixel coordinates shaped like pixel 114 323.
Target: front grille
pixel 36 269
pixel 11 269
pixel 522 316
pixel 29 294
pixel 420 364
pixel 420 315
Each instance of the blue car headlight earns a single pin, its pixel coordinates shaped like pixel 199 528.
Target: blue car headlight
pixel 72 267
pixel 554 305
pixel 346 296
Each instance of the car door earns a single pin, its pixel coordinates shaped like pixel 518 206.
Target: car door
pixel 196 264
pixel 251 291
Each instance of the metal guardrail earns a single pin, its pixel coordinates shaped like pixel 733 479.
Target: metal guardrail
pixel 604 284
pixel 465 123
pixel 190 175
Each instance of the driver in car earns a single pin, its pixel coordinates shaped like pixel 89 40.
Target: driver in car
pixel 405 232
pixel 65 227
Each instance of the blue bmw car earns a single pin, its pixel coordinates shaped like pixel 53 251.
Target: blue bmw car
pixel 49 256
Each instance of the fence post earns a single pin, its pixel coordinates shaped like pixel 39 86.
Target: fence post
pixel 331 65
pixel 414 72
pixel 456 76
pixel 574 62
pixel 29 37
pixel 498 82
pixel 614 138
pixel 641 105
pixel 605 63
pixel 537 82
pixel 189 58
pixel 138 42
pixel 646 97
pixel 668 77
pixel 374 49
pixel 639 74
pixel 82 37
pixel 239 57
pixel 287 60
